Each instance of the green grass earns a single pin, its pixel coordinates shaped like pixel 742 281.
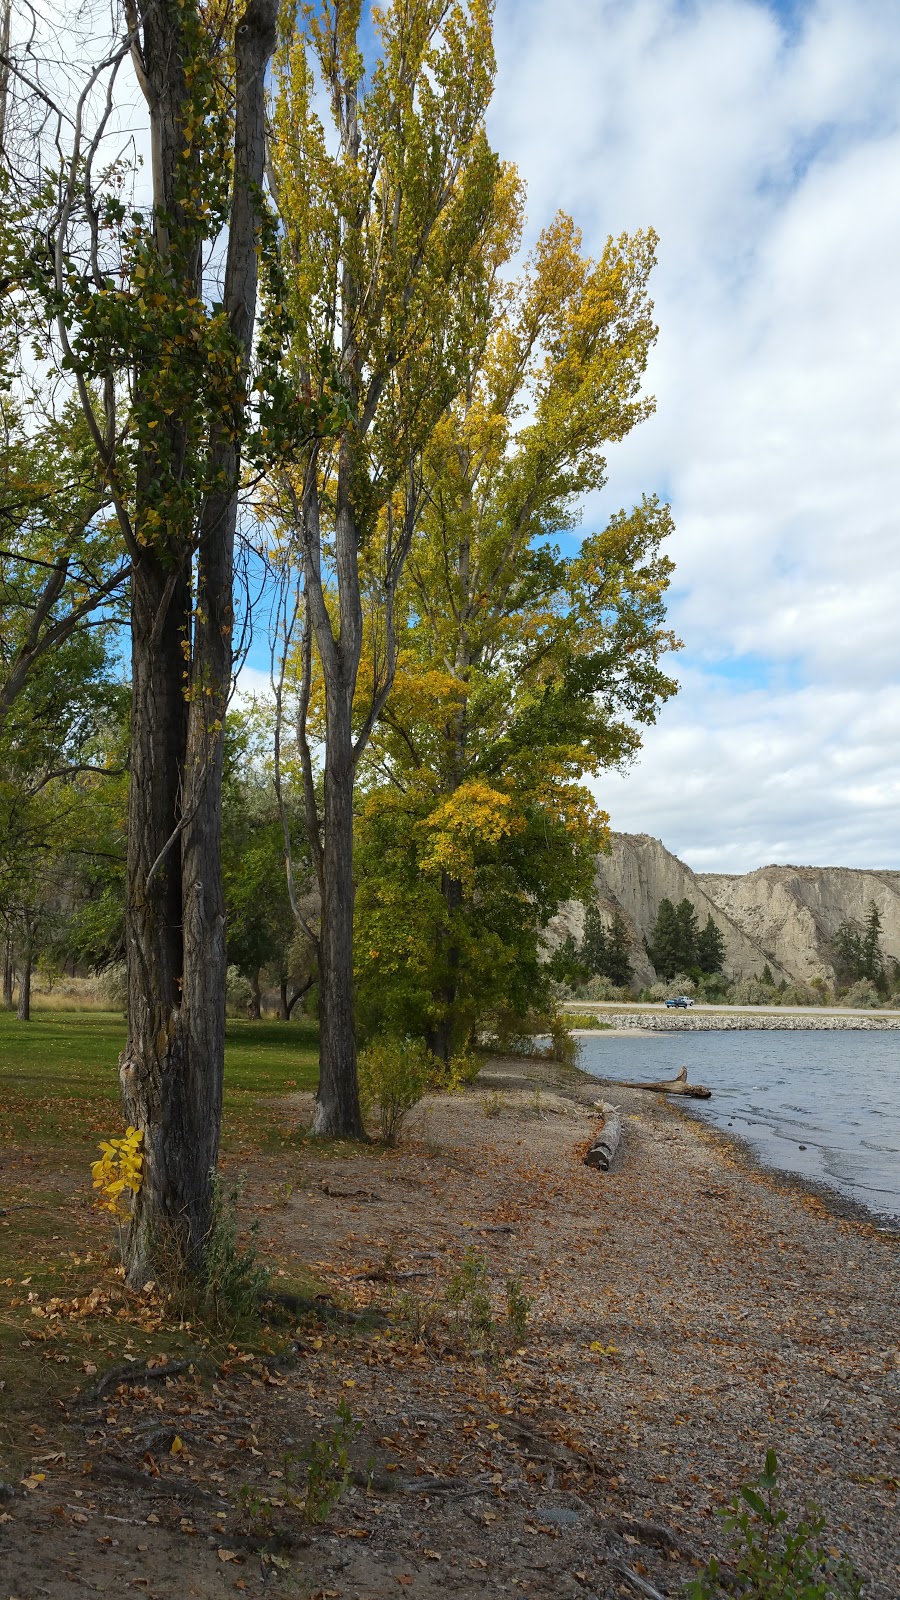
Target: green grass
pixel 59 1079
pixel 59 1094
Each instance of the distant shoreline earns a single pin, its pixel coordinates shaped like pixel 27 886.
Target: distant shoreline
pixel 700 1020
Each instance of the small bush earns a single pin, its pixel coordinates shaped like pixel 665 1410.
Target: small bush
pixel 492 1104
pixel 750 992
pixel 237 993
pixel 601 988
pixel 449 1077
pixel 518 1308
pixel 862 994
pixel 669 988
pixel 317 1477
pixel 234 1280
pixel 470 1301
pixel 114 986
pixel 772 1559
pixel 393 1076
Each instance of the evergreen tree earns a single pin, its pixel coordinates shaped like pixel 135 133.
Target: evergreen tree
pixel 618 952
pixel 766 977
pixel 711 948
pixel 594 953
pixel 871 957
pixel 664 946
pixel 688 935
pixel 847 951
pixel 857 952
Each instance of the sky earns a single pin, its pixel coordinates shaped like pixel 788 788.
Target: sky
pixel 762 142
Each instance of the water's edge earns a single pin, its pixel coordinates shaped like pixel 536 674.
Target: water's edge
pixel 823 1111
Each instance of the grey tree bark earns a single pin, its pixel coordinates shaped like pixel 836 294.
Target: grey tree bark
pixel 9 974
pixel 171 1070
pixel 26 956
pixel 254 1010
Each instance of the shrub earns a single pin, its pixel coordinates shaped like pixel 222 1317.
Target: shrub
pixel 492 1104
pixel 448 1077
pixel 114 986
pixel 862 993
pixel 682 983
pixel 519 1036
pixel 317 1477
pixel 237 993
pixel 393 1076
pixel 772 1560
pixel 469 1298
pixel 518 1308
pixel 234 1280
pixel 601 988
pixel 750 992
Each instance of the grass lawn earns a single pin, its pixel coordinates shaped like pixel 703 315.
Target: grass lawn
pixel 59 1082
pixel 58 1096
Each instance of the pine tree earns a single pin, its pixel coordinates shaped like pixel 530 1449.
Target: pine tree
pixel 664 945
pixel 594 954
pixel 567 963
pixel 618 952
pixel 688 934
pixel 871 958
pixel 711 949
pixel 847 947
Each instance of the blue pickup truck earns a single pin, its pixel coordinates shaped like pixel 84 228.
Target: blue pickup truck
pixel 681 1001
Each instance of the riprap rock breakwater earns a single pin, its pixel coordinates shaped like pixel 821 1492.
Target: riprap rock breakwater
pixel 720 1022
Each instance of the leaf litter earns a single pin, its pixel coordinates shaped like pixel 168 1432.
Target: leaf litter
pixel 687 1312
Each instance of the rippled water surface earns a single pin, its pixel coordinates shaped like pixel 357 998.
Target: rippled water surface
pixel 825 1105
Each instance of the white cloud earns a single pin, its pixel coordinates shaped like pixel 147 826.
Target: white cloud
pixel 733 779
pixel 767 155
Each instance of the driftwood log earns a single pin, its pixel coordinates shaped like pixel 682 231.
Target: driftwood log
pixel 677 1085
pixel 605 1145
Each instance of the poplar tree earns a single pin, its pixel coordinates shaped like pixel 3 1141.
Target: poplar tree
pixel 522 672
pixel 388 222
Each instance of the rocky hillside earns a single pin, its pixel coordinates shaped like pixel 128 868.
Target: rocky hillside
pixel 791 913
pixel 785 916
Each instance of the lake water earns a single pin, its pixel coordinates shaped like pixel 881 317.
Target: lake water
pixel 823 1104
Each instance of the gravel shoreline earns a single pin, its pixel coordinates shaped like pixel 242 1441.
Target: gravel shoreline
pixel 689 1310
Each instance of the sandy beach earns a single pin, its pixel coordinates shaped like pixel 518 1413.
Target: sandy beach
pixel 690 1310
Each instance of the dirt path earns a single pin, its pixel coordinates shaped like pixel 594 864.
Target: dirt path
pixel 688 1312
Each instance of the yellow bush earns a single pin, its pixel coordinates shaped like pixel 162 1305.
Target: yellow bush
pixel 118 1173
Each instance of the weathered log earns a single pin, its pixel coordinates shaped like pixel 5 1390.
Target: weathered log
pixel 677 1085
pixel 603 1148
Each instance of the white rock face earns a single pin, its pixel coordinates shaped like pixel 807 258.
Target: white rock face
pixel 792 913
pixel 786 916
pixel 640 872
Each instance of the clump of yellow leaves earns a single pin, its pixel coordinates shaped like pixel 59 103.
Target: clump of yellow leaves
pixel 119 1172
pixel 476 814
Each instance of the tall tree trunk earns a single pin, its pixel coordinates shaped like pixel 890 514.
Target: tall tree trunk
pixel 337 1112
pixel 9 974
pixel 152 1066
pixel 23 1011
pixel 254 1010
pixel 172 1068
pixel 444 1038
pixel 283 1011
